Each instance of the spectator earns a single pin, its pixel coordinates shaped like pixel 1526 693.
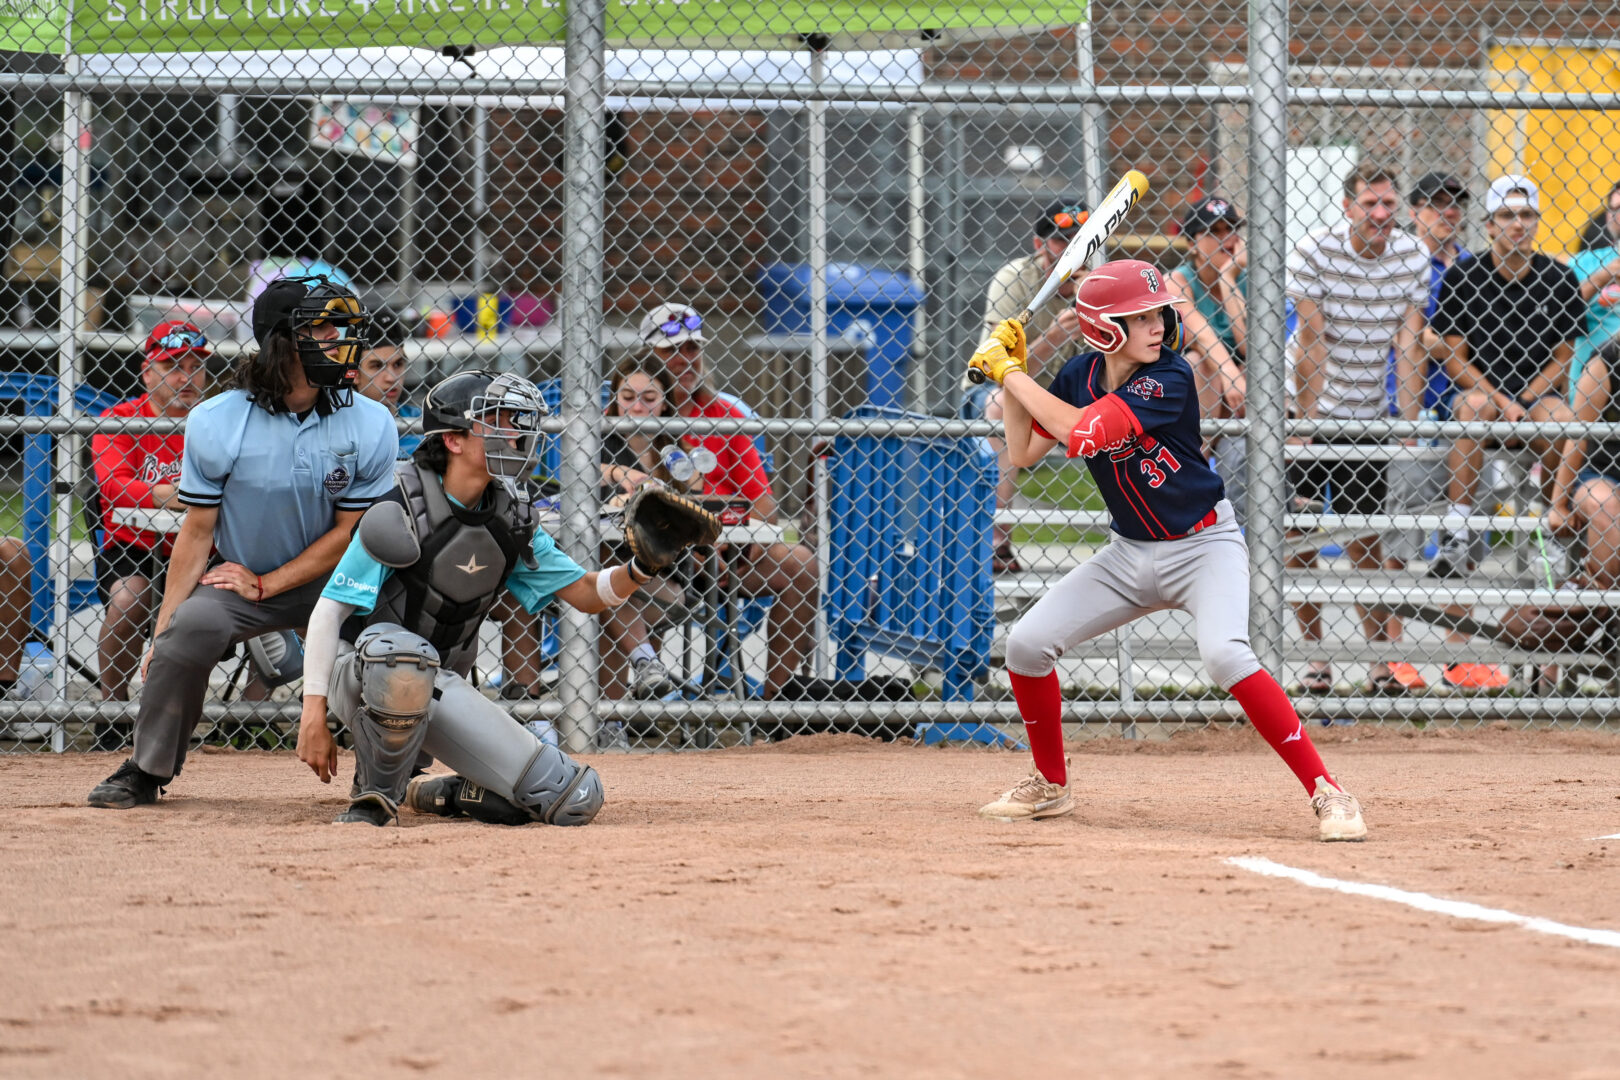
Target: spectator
pixel 16 610
pixel 1585 496
pixel 1359 288
pixel 382 372
pixel 1507 323
pixel 1214 282
pixel 1598 271
pixel 1438 202
pixel 641 387
pixel 141 470
pixel 674 331
pixel 1052 333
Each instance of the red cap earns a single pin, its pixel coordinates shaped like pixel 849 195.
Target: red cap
pixel 170 339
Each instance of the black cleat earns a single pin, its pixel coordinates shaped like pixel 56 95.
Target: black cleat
pixel 369 809
pixel 434 795
pixel 126 788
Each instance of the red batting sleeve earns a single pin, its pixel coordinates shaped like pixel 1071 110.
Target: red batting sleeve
pixel 1103 423
pixel 1036 429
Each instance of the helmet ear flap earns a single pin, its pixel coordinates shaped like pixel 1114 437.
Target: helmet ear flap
pixel 1172 328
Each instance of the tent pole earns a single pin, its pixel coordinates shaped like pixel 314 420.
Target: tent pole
pixel 584 193
pixel 75 196
pixel 916 192
pixel 817 165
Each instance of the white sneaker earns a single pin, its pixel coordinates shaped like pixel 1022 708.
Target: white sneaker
pixel 1031 798
pixel 1338 814
pixel 650 680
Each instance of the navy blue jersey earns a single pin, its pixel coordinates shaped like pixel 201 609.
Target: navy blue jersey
pixel 1156 483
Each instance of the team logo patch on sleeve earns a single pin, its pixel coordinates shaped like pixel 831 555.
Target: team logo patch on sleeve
pixel 337 480
pixel 1145 387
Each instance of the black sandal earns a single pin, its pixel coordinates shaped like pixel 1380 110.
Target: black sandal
pixel 1317 681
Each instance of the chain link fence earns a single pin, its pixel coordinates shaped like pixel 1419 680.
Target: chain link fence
pixel 749 253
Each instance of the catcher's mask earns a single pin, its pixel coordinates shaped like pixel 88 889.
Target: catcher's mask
pixel 504 410
pixel 303 304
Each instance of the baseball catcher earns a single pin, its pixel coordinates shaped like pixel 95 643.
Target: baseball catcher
pixel 423 569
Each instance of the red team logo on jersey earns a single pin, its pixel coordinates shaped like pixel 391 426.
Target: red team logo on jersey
pixel 1145 387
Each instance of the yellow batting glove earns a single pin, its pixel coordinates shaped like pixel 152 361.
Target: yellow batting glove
pixel 1010 332
pixel 1004 352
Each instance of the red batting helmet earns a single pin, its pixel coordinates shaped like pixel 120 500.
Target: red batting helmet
pixel 1120 288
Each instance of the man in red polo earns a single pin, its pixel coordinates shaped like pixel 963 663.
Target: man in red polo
pixel 140 470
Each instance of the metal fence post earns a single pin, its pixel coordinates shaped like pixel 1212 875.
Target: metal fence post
pixel 1268 231
pixel 583 197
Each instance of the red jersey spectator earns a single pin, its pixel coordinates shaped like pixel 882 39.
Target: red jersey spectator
pixel 139 470
pixel 674 333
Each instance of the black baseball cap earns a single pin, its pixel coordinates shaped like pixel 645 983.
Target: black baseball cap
pixel 1201 217
pixel 1063 218
pixel 275 305
pixel 1431 184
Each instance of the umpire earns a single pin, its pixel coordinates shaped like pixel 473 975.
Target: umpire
pixel 275 475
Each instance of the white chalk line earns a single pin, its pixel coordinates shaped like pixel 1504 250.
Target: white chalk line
pixel 1611 836
pixel 1457 909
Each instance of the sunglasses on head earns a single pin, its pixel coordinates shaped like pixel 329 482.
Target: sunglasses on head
pixel 182 339
pixel 690 321
pixel 1070 217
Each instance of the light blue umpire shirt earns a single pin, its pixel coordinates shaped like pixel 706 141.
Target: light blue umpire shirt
pixel 277 480
pixel 358 577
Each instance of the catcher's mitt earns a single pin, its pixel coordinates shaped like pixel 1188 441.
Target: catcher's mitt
pixel 659 525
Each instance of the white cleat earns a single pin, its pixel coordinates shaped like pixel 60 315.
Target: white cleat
pixel 1338 814
pixel 1032 798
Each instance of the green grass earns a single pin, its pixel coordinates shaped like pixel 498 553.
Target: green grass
pixel 11 518
pixel 1061 485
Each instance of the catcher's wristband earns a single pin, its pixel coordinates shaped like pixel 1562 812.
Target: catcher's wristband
pixel 638 573
pixel 604 586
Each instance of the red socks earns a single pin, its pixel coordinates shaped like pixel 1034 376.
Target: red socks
pixel 1273 716
pixel 1040 702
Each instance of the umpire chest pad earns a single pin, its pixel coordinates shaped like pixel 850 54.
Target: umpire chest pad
pixel 464 559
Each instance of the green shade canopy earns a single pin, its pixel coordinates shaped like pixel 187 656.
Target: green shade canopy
pixel 139 26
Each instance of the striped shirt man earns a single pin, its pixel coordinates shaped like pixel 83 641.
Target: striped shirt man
pixel 1364 302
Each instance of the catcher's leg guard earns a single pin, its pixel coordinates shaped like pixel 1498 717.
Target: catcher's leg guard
pixel 394 670
pixel 490 750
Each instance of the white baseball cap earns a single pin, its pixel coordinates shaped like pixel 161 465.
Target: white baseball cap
pixel 1512 192
pixel 671 323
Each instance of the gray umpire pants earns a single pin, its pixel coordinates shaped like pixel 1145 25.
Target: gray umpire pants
pixel 204 628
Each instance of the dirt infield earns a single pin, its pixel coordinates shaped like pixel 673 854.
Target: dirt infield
pixel 825 907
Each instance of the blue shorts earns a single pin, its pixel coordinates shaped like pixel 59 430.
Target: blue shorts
pixel 1586 476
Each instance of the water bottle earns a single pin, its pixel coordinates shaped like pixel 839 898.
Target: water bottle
pixel 704 461
pixel 679 466
pixel 34 683
pixel 543 730
pixel 34 678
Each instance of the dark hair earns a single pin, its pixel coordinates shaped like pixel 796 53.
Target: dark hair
pixel 265 373
pixel 431 453
pixel 388 328
pixel 1367 174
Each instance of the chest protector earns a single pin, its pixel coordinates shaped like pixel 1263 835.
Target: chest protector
pixel 466 557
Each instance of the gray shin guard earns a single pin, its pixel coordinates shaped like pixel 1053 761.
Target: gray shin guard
pixel 396 674
pixel 476 738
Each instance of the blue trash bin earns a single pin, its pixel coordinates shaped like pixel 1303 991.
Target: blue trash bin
pixel 864 303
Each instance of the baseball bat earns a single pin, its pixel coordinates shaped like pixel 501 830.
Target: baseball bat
pixel 1096 229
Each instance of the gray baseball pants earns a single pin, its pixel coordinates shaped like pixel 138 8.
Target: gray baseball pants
pixel 1205 574
pixel 204 628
